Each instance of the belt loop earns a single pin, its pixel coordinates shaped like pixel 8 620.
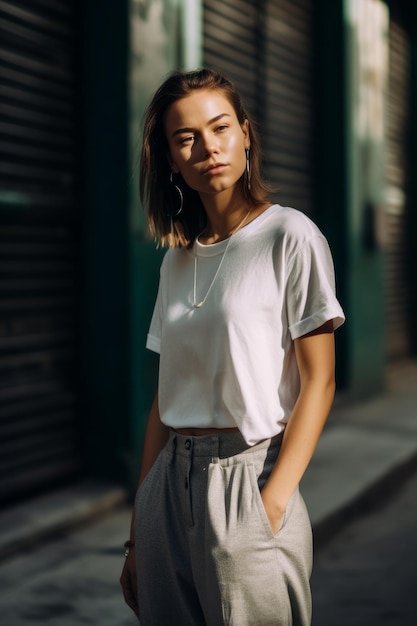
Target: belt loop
pixel 213 446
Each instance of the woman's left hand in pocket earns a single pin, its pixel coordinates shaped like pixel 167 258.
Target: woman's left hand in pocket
pixel 274 512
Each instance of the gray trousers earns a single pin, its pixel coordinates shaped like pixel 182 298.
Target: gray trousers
pixel 206 554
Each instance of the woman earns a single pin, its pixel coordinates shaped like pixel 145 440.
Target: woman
pixel 244 323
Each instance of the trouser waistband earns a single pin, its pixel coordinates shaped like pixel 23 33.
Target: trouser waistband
pixel 220 446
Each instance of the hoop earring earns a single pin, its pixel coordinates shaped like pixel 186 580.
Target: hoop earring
pixel 247 150
pixel 179 192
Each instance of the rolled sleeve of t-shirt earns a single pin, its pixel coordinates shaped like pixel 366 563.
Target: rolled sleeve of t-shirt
pixel 310 289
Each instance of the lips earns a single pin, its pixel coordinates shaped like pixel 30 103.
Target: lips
pixel 212 167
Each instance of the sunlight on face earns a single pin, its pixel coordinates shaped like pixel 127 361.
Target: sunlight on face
pixel 206 141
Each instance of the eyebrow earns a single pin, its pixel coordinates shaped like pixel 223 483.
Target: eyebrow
pixel 179 131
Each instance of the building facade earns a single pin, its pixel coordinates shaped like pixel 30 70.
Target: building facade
pixel 333 88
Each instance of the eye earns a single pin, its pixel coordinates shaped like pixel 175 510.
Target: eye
pixel 222 127
pixel 186 140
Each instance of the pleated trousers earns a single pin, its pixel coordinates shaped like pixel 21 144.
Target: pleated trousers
pixel 206 554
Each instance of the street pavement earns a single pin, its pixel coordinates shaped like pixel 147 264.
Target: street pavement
pixel 61 555
pixel 367 574
pixel 71 580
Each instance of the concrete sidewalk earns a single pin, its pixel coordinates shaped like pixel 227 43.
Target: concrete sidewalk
pixel 365 449
pixel 58 569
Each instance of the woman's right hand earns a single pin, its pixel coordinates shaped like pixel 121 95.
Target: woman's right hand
pixel 155 438
pixel 128 580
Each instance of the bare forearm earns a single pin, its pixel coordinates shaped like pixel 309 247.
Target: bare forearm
pixel 300 440
pixel 315 361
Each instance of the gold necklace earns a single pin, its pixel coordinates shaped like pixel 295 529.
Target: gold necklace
pixel 198 305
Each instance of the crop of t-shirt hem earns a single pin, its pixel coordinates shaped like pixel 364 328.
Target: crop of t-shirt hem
pixel 312 322
pixel 153 343
pixel 248 434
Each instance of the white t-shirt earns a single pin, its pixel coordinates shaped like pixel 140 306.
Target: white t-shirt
pixel 232 362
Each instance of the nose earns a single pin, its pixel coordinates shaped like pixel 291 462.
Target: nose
pixel 209 145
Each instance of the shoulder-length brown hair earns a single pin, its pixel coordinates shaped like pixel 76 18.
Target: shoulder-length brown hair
pixel 158 195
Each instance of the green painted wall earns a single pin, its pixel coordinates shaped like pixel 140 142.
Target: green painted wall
pixel 160 41
pixel 364 192
pixel 331 201
pixel 367 360
pixel 128 48
pixel 350 187
pixel 105 193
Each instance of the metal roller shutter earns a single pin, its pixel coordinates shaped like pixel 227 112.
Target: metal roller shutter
pixel 230 44
pixel 396 283
pixel 289 101
pixel 39 246
pixel 266 48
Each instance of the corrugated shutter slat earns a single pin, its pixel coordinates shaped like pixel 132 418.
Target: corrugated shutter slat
pixel 397 116
pixel 39 246
pixel 266 49
pixel 289 111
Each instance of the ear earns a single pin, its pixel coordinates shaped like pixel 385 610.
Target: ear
pixel 172 165
pixel 246 135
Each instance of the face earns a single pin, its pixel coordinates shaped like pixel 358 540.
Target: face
pixel 206 141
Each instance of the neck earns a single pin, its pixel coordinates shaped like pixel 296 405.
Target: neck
pixel 222 217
